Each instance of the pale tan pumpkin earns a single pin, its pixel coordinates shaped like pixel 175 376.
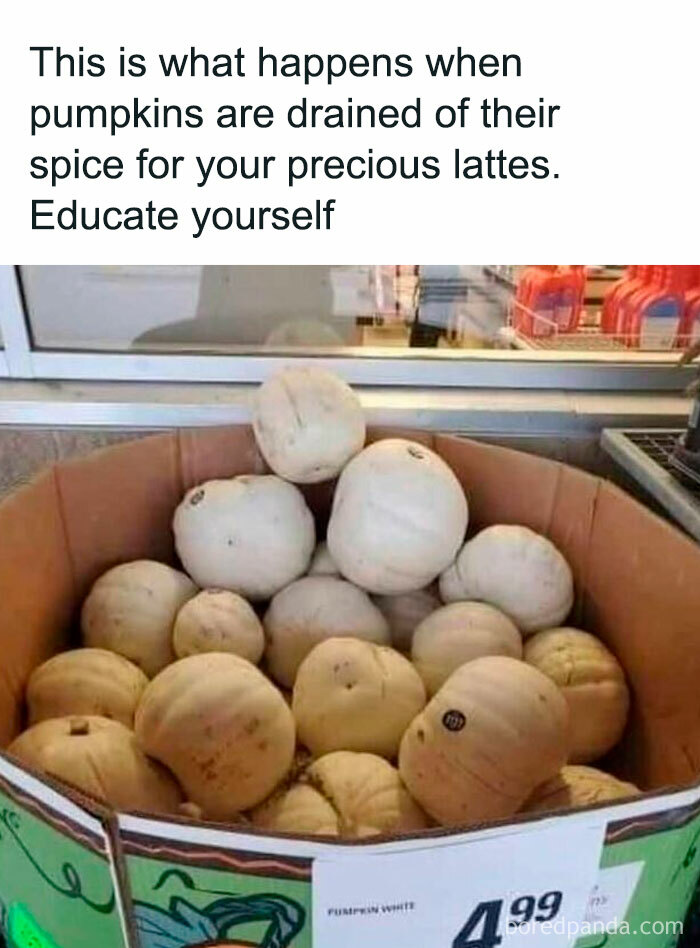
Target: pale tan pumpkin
pixel 85 681
pixel 578 786
pixel 343 794
pixel 218 620
pixel 222 728
pixel 131 610
pixel 299 808
pixel 458 633
pixel 495 730
pixel 101 758
pixel 357 696
pixel 593 683
pixel 313 609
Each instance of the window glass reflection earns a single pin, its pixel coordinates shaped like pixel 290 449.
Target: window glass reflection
pixel 282 308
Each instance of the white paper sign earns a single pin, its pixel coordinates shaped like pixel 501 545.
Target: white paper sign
pixel 516 889
pixel 612 894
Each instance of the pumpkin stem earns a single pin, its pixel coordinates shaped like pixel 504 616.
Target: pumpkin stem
pixel 191 810
pixel 79 726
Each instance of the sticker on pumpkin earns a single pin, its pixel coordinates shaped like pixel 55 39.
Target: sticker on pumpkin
pixel 454 720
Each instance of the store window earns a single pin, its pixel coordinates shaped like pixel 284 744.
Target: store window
pixel 229 308
pixel 3 361
pixel 437 326
pixel 105 307
pixel 245 308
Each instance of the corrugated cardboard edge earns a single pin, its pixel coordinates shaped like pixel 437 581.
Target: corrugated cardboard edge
pixel 38 589
pixel 655 632
pixel 117 505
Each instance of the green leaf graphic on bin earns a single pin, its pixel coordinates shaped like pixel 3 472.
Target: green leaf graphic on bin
pixel 24 932
pixel 55 892
pixel 183 925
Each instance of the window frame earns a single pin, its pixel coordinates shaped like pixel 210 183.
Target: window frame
pixel 444 368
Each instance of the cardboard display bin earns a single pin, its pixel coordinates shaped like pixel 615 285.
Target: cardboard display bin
pixel 73 874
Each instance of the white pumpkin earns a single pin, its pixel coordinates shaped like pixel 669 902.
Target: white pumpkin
pixel 218 620
pixel 313 609
pixel 518 571
pixel 252 534
pixel 399 516
pixel 131 610
pixel 322 562
pixel 308 424
pixel 310 333
pixel 356 696
pixel 404 613
pixel 458 633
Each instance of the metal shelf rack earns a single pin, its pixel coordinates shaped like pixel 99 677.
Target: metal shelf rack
pixel 645 454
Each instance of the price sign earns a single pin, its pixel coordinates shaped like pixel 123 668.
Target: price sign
pixel 528 886
pixel 483 927
pixel 613 892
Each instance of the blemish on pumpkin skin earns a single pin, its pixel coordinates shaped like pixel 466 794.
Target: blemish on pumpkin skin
pixel 207 768
pixel 196 498
pixel 251 727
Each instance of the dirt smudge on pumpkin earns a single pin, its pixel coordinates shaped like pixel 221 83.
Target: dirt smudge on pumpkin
pixel 208 768
pixel 251 726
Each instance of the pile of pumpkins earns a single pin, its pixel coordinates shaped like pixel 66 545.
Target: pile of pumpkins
pixel 406 678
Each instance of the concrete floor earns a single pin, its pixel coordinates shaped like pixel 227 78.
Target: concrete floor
pixel 24 451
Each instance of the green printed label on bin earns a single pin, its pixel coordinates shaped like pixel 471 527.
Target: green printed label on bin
pixel 649 869
pixel 56 886
pixel 195 895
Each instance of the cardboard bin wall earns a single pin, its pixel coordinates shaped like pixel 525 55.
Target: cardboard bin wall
pixel 638 588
